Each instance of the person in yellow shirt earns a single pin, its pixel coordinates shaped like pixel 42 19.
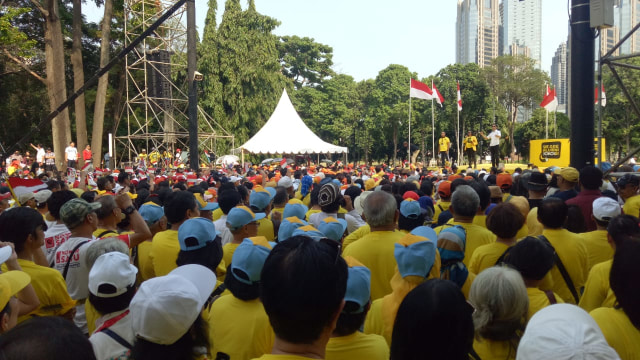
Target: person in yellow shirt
pixel 280 200
pixel 24 228
pixel 533 258
pixel 442 205
pixel 628 191
pixel 439 302
pixel 504 221
pixel 621 325
pixel 260 202
pixel 500 298
pixel 347 341
pixel 415 255
pixel 444 144
pixel 596 242
pixel 153 215
pixel 569 247
pixel 154 156
pixel 375 250
pixel 303 287
pixel 523 206
pixel 238 325
pixel 17 295
pixel 470 143
pixel 242 223
pixel 597 292
pixel 165 246
pixel 464 205
pixel 451 247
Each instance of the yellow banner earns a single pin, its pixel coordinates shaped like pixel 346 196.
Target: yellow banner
pixel 554 152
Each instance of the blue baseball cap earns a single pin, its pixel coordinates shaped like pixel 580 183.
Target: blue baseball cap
pixel 195 233
pixel 240 216
pixel 151 212
pixel 411 209
pixel 358 284
pixel 248 259
pixel 204 205
pixel 415 252
pixel 261 197
pixel 288 225
pixel 333 228
pixel 309 231
pixel 295 208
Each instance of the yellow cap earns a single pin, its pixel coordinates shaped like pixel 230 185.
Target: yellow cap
pixel 11 282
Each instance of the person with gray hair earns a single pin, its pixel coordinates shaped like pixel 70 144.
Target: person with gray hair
pixel 465 203
pixel 376 249
pixel 501 303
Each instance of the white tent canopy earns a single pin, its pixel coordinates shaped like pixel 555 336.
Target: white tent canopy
pixel 286 123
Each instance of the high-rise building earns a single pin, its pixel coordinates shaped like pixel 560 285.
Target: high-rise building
pixel 477 31
pixel 559 73
pixel 628 15
pixel 522 26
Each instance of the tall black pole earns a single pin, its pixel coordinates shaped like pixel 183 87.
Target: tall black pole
pixel 193 91
pixel 582 69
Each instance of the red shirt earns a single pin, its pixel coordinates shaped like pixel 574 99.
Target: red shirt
pixel 584 199
pixel 86 154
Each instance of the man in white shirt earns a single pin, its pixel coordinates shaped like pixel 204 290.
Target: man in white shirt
pixel 71 155
pixel 39 157
pixel 494 144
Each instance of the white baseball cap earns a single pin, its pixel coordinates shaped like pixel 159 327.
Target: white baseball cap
pixel 5 253
pixel 564 331
pixel 111 275
pixel 165 307
pixel 605 208
pixel 285 182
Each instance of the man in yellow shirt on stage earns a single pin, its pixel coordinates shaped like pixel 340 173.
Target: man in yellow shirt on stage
pixel 470 143
pixel 444 144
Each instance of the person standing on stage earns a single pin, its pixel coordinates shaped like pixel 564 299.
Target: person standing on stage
pixel 494 144
pixel 444 144
pixel 470 143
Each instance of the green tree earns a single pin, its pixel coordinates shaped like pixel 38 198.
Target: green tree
pixel 304 60
pixel 517 83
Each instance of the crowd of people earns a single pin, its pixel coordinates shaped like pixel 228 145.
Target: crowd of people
pixel 335 262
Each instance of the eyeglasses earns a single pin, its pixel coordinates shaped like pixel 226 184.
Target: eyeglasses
pixel 336 246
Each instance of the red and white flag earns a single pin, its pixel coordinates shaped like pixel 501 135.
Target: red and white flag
pixel 22 186
pixel 436 94
pixel 550 101
pixel 604 96
pixel 420 90
pixel 459 97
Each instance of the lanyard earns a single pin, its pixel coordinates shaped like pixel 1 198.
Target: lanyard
pixel 109 323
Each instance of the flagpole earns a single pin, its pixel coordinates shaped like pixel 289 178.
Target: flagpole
pixel 555 124
pixel 433 136
pixel 600 157
pixel 546 126
pixel 458 133
pixel 409 145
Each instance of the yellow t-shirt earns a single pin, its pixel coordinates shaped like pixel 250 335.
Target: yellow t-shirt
pixel 216 214
pixel 354 236
pixel 266 229
pixel 598 248
pixel 227 254
pixel 439 208
pixel 164 252
pixel 476 237
pixel 485 256
pixel 620 333
pixel 466 287
pixel 275 209
pixel 311 212
pixel 375 251
pixel 50 287
pixel 534 226
pixel 539 300
pixel 470 142
pixel 523 232
pixel 92 316
pixel 373 324
pixel 357 346
pixel 145 265
pixel 632 206
pixel 443 143
pixel 282 357
pixel 494 350
pixel 597 291
pixel 480 220
pixel 573 254
pixel 239 329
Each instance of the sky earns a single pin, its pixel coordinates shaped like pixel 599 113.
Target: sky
pixel 367 36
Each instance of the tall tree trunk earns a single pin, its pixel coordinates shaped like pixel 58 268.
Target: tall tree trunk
pixel 78 75
pixel 512 125
pixel 101 92
pixel 56 89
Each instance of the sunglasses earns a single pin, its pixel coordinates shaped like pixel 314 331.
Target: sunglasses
pixel 335 246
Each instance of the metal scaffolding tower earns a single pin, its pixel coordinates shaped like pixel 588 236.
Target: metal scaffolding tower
pixel 156 86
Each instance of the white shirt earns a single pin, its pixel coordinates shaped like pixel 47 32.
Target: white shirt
pixel 494 136
pixel 55 236
pixel 72 153
pixel 225 234
pixel 104 346
pixel 40 155
pixel 354 220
